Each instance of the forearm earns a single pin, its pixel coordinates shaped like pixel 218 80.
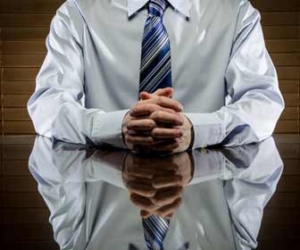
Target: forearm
pixel 249 120
pixel 69 121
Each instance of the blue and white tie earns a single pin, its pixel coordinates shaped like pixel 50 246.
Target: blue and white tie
pixel 155 230
pixel 155 72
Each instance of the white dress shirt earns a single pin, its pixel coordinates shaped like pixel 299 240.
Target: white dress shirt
pixel 221 71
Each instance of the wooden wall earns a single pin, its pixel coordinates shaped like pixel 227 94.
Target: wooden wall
pixel 24 25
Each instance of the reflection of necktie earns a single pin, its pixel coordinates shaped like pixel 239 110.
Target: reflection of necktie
pixel 155 230
pixel 186 246
pixel 155 69
pixel 132 247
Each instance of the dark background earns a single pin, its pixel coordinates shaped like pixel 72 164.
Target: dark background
pixel 24 25
pixel 24 217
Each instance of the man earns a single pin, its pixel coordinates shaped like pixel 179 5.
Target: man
pixel 209 79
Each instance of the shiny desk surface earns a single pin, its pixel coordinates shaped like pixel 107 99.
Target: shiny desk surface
pixel 66 196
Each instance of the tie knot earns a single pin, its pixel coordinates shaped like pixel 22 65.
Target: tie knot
pixel 157 7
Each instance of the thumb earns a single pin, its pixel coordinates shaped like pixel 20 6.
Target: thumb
pixel 145 95
pixel 167 92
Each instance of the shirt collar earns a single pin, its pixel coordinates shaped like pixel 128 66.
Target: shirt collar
pixel 182 6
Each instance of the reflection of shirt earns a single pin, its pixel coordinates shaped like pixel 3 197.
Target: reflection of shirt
pixel 222 207
pixel 108 220
pixel 90 76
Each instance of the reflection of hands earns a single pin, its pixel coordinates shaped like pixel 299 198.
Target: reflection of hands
pixel 156 184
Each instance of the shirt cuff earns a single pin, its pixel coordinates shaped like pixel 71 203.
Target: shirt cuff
pixel 209 165
pixel 208 129
pixel 107 128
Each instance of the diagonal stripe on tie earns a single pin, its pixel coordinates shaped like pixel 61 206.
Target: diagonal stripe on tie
pixel 154 49
pixel 155 70
pixel 155 230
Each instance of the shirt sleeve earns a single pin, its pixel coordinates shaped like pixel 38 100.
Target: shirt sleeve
pixel 57 106
pixel 248 187
pixel 254 102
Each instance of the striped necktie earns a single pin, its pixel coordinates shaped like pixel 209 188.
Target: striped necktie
pixel 186 246
pixel 155 72
pixel 155 230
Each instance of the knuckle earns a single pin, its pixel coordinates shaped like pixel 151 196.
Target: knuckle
pixel 159 100
pixel 156 107
pixel 150 124
pixel 155 132
pixel 158 114
pixel 169 110
pixel 151 207
pixel 150 193
pixel 149 107
pixel 155 200
pixel 161 114
pixel 127 138
pixel 161 213
pixel 179 133
pixel 130 139
pixel 174 133
pixel 150 140
pixel 176 102
pixel 154 115
pixel 129 125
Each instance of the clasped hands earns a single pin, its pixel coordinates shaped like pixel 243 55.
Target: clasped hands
pixel 156 123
